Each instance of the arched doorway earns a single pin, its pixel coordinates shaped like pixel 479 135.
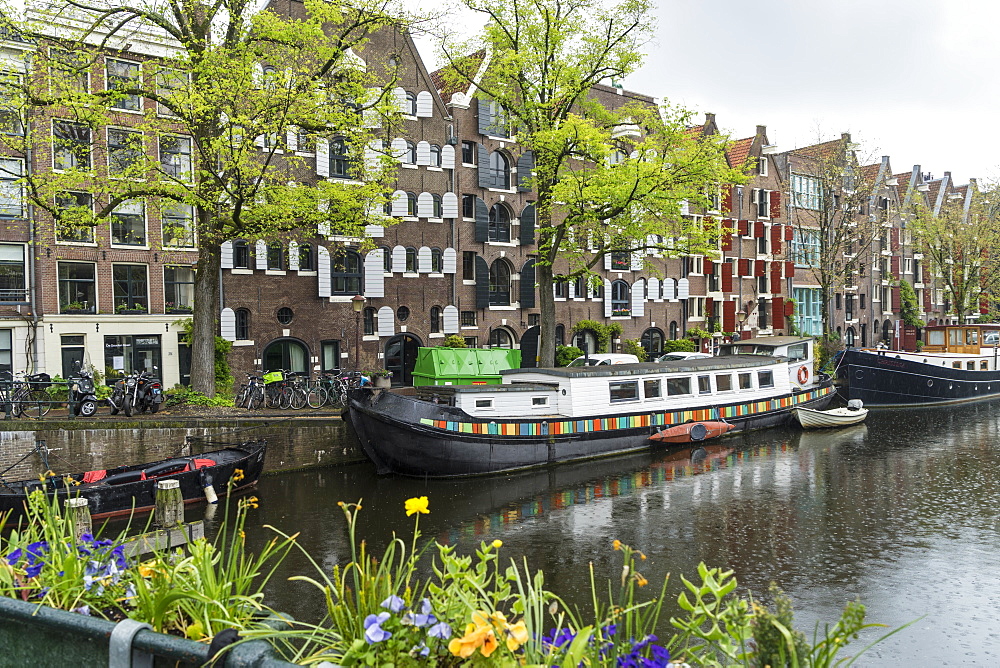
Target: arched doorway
pixel 400 356
pixel 887 331
pixel 652 342
pixel 501 337
pixel 287 355
pixel 849 337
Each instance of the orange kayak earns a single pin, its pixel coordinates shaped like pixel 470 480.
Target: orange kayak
pixel 691 432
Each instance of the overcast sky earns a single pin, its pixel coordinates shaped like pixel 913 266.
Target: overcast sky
pixel 912 79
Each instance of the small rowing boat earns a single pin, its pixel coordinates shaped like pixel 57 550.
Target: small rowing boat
pixel 692 432
pixel 853 413
pixel 127 489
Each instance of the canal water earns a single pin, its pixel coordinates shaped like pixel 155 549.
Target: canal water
pixel 901 513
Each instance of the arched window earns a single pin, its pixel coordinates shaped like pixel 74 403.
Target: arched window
pixel 435 155
pixel 369 321
pixel 410 155
pixel 411 204
pixel 580 286
pixel 241 254
pixel 411 259
pixel 560 335
pixel 386 259
pixel 306 257
pixel 500 170
pixel 285 354
pixel 437 210
pixel 275 256
pixel 340 167
pixel 617 157
pixel 652 342
pixel 621 298
pixel 499 223
pixel 345 274
pixel 410 108
pixel 673 330
pixel 501 338
pixel 849 337
pixel 242 324
pixel 597 287
pixel 435 319
pixel 437 261
pixel 500 283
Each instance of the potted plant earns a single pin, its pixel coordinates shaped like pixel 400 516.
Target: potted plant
pixel 171 307
pixel 75 307
pixel 381 378
pixel 125 308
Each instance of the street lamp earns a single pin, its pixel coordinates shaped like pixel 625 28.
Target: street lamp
pixel 357 303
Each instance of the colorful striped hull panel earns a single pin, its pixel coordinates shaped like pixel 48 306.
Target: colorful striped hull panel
pixel 656 419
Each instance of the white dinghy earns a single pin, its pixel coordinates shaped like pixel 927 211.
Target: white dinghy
pixel 853 413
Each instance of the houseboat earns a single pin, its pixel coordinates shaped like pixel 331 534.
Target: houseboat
pixel 957 364
pixel 546 416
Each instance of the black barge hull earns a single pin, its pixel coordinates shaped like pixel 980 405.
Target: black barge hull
pixel 889 381
pixel 410 437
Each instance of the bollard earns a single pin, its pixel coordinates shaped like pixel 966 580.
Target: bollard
pixel 169 512
pixel 78 514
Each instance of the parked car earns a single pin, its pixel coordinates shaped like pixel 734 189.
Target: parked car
pixel 991 338
pixel 673 357
pixel 604 358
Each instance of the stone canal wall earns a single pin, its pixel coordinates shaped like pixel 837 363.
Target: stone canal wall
pixel 77 445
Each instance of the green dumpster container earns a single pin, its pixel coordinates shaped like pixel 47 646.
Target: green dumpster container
pixel 463 366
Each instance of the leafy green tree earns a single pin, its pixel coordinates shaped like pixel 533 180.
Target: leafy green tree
pixel 251 90
pixel 600 188
pixel 909 309
pixel 959 241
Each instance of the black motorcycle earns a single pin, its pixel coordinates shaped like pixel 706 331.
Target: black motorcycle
pixel 141 392
pixel 81 400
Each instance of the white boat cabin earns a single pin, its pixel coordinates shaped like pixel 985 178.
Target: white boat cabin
pixel 967 347
pixel 758 369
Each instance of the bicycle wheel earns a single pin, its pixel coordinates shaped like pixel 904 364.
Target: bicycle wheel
pixel 242 396
pixel 37 403
pixel 17 398
pixel 298 398
pixel 285 398
pixel 316 397
pixel 256 398
pixel 271 395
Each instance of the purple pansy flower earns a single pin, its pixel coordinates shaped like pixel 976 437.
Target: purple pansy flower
pixel 393 603
pixel 440 630
pixel 374 632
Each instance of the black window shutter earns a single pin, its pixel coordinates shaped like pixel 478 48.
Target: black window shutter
pixel 527 233
pixel 485 116
pixel 528 285
pixel 482 222
pixel 524 166
pixel 485 173
pixel 482 283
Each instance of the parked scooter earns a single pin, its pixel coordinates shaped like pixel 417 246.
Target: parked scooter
pixel 142 392
pixel 81 400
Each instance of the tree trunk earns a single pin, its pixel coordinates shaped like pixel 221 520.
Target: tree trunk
pixel 206 301
pixel 547 326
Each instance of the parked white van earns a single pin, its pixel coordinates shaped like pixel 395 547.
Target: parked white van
pixel 604 358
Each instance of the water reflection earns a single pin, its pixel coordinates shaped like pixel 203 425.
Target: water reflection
pixel 901 512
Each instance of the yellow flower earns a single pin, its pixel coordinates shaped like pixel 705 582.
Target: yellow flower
pixel 417 504
pixel 641 581
pixel 616 544
pixel 497 544
pixel 489 644
pixel 517 635
pixel 475 636
pixel 238 475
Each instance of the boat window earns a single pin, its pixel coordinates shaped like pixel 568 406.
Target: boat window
pixel 651 388
pixel 954 337
pixel 723 382
pixel 971 366
pixel 704 384
pixel 798 351
pixel 484 403
pixel 765 378
pixel 626 390
pixel 983 365
pixel 956 365
pixel 746 381
pixel 539 401
pixel 935 337
pixel 677 386
pixel 991 338
pixel 972 337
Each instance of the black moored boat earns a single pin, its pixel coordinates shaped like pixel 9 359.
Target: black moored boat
pixel 127 489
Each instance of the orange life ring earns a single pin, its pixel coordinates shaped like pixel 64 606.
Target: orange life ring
pixel 803 375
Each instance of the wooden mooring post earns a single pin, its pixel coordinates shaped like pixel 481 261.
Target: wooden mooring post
pixel 169 514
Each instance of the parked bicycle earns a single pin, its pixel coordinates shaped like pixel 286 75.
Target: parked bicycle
pixel 26 394
pixel 251 393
